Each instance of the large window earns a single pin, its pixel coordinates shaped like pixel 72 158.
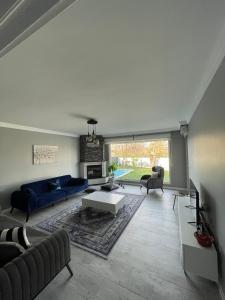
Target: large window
pixel 137 158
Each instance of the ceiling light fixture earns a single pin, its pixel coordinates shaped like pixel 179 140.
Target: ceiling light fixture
pixel 91 139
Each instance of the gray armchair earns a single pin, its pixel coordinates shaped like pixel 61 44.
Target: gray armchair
pixel 153 183
pixel 26 275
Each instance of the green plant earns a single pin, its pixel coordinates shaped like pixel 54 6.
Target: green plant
pixel 113 167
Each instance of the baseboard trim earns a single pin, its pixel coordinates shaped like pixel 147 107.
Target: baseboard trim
pixel 221 291
pixel 175 188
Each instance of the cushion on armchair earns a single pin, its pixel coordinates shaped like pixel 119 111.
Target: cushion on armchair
pixel 16 235
pixel 155 175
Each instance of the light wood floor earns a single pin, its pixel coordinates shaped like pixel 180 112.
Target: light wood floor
pixel 144 263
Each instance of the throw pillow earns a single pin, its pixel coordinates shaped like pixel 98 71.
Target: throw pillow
pixel 155 175
pixel 55 186
pixel 16 234
pixel 9 251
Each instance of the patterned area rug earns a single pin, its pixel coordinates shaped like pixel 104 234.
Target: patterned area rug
pixel 93 230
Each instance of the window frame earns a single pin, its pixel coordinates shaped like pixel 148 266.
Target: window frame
pixel 146 140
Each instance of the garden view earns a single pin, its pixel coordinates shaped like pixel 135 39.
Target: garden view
pixel 132 160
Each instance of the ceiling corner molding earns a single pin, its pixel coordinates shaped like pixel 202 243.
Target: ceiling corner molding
pixel 46 17
pixel 213 65
pixel 34 129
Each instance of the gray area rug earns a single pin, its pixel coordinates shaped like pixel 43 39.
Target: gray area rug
pixel 93 230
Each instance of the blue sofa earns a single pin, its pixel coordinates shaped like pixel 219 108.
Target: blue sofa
pixel 35 195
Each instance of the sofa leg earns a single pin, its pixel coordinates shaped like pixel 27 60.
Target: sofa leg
pixel 27 218
pixel 11 211
pixel 147 191
pixel 69 269
pixel 162 190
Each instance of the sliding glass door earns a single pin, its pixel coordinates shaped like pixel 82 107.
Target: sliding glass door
pixel 135 159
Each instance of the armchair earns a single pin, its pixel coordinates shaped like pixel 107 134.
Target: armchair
pixel 24 276
pixel 153 182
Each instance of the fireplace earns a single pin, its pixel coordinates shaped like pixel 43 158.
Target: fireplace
pixel 95 172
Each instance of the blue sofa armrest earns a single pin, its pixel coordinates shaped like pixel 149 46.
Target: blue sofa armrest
pixel 26 200
pixel 78 181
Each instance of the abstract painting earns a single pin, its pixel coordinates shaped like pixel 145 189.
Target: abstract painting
pixel 44 154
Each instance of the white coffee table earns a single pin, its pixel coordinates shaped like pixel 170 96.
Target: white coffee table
pixel 105 201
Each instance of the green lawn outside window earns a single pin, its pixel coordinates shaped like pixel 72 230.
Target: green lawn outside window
pixel 136 174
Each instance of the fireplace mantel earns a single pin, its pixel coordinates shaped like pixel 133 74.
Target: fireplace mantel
pixel 84 172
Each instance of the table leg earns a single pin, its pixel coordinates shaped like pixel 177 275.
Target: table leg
pixel 174 201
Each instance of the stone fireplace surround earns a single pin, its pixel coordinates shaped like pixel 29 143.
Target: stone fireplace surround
pixel 93 156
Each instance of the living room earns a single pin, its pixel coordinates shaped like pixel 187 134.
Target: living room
pixel 112 149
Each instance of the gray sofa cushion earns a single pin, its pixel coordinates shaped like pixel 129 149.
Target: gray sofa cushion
pixel 8 251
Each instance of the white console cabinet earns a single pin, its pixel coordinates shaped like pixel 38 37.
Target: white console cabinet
pixel 195 258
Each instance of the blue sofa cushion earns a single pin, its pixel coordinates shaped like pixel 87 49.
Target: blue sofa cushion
pixel 30 193
pixel 38 187
pixel 71 190
pixel 31 198
pixel 46 198
pixel 54 185
pixel 42 186
pixel 76 182
pixel 64 180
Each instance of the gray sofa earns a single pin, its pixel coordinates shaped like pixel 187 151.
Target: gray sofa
pixel 27 275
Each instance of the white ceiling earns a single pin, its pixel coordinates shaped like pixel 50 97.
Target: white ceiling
pixel 135 66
